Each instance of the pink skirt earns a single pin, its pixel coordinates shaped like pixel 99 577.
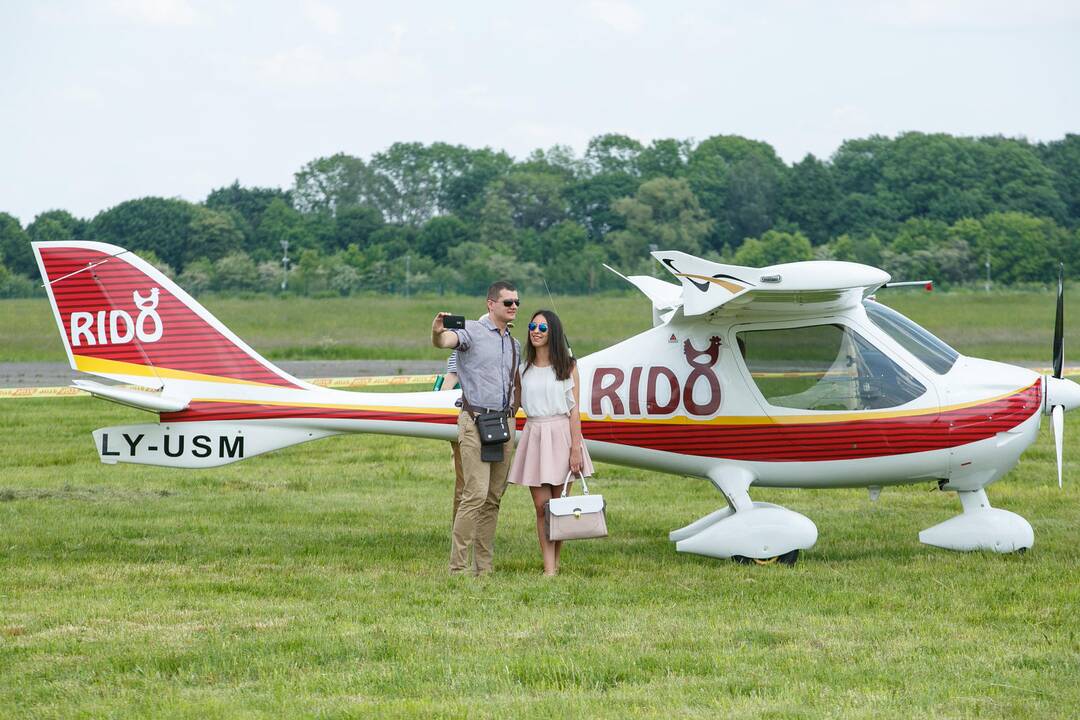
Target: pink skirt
pixel 542 456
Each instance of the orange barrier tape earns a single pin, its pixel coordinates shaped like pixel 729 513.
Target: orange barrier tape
pixel 345 382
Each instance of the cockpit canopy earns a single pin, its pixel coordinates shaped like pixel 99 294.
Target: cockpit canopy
pixel 917 340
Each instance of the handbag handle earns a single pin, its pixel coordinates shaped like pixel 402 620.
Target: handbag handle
pixel 569 477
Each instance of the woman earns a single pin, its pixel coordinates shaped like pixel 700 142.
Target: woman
pixel 550 447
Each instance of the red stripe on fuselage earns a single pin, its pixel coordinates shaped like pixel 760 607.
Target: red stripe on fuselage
pixel 806 442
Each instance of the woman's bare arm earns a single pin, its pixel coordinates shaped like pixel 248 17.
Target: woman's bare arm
pixel 575 426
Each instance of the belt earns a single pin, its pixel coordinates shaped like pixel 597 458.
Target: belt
pixel 474 411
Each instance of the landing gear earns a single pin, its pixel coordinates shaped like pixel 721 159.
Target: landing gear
pixel 747 531
pixel 980 527
pixel 788 558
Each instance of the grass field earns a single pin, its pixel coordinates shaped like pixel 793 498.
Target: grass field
pixel 312 582
pixel 1014 326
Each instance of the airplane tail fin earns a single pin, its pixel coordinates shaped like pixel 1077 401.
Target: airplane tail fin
pixel 706 284
pixel 122 319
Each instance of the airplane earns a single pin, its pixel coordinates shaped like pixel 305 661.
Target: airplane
pixel 788 376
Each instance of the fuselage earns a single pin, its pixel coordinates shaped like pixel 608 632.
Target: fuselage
pixel 826 400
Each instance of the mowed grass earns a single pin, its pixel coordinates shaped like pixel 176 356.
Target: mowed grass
pixel 312 582
pixel 1005 325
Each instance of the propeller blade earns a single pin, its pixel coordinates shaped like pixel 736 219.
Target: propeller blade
pixel 1059 320
pixel 1058 415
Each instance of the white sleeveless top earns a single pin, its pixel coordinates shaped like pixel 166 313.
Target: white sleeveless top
pixel 542 395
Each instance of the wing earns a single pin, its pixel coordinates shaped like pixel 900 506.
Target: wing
pixel 790 288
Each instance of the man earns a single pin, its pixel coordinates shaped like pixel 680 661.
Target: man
pixel 487 358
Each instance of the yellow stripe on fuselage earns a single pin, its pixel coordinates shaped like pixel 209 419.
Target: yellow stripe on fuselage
pixel 102 366
pixel 336 406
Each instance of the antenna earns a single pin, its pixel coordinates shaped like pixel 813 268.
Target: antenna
pixel 552 299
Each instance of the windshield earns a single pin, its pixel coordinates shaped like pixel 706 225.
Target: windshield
pixel 824 367
pixel 918 341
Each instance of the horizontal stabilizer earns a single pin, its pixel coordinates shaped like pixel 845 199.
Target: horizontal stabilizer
pixel 665 297
pixel 153 402
pixel 196 444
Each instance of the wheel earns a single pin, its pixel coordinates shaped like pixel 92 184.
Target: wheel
pixel 788 558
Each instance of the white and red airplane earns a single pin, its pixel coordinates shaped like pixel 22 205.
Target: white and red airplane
pixel 785 376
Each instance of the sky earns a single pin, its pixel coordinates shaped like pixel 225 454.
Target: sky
pixel 103 101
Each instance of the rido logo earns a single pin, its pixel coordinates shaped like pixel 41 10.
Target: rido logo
pixel 116 327
pixel 624 399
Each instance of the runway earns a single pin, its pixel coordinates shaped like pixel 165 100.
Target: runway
pixel 50 374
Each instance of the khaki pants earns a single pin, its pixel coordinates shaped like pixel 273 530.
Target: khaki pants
pixel 478 510
pixel 459 479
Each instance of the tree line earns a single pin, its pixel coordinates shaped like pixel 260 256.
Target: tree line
pixel 442 218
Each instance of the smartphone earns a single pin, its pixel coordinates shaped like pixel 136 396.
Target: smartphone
pixel 454 322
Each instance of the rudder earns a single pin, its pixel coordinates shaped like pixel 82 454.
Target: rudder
pixel 122 318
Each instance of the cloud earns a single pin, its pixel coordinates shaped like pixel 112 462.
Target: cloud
pixel 82 97
pixel 306 65
pixel 169 13
pixel 324 17
pixel 616 15
pixel 301 65
pixel 386 66
pixel 976 14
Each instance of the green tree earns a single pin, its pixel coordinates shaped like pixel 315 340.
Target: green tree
pixel 439 235
pixel 464 192
pixel 866 250
pixel 495 228
pixel 197 277
pixel 424 181
pixel 328 184
pixel 591 201
pixel 558 160
pixel 480 265
pixel 151 223
pixel 1016 178
pixel 213 234
pixel 16 286
pixel 737 181
pixel 808 199
pixel 1022 247
pixel 664 212
pixel 613 154
pixel 664 158
pixel 246 206
pixel 773 248
pixel 281 223
pixel 57 225
pixel 535 198
pixel 15 250
pixel 236 272
pixel 355 225
pixel 1063 159
pixel 919 233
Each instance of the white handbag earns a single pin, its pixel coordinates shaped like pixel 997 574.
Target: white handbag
pixel 575 517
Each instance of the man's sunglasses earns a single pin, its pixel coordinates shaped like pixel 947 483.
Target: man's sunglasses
pixel 541 326
pixel 508 303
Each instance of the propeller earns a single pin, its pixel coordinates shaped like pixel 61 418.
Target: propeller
pixel 1057 412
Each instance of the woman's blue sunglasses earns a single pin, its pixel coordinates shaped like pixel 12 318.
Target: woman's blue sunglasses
pixel 534 326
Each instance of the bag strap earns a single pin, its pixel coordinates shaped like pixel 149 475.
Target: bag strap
pixel 569 477
pixel 513 372
pixel 469 408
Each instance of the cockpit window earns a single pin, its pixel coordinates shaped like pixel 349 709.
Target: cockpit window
pixel 918 341
pixel 824 367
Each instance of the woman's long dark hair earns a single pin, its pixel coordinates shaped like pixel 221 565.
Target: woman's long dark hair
pixel 558 349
